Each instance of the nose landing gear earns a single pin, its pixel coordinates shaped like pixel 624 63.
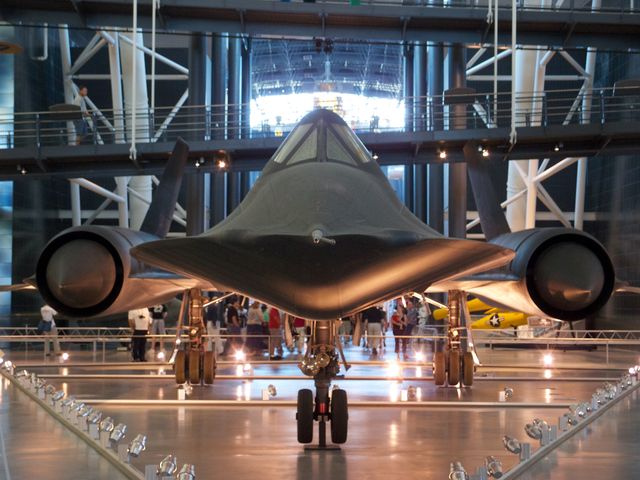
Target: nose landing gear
pixel 322 363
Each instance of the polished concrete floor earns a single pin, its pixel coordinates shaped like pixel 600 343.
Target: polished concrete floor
pixel 387 439
pixel 33 445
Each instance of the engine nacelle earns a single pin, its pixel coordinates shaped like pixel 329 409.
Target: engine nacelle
pixel 564 273
pixel 85 271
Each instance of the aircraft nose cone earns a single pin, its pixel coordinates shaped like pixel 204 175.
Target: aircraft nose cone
pixel 569 276
pixel 81 273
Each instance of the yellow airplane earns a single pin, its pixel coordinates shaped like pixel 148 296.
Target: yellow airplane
pixel 494 317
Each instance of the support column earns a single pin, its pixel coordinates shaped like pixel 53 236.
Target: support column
pixel 235 87
pixel 419 86
pixel 195 182
pixel 234 191
pixel 435 87
pixel 457 171
pixel 419 196
pixel 407 87
pixel 118 122
pixel 136 93
pixel 245 185
pixel 219 86
pixel 218 197
pixel 408 186
pixel 246 88
pixel 67 82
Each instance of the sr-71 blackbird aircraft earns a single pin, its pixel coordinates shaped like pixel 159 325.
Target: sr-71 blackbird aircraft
pixel 321 235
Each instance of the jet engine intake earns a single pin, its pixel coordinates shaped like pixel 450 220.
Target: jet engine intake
pixel 84 271
pixel 567 274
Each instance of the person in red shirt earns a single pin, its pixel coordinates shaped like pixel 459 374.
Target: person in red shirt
pixel 275 333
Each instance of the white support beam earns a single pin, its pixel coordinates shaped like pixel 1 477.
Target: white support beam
pixel 89 54
pixel 532 195
pixel 171 116
pixel 115 74
pixel 574 64
pixel 581 181
pixel 477 55
pixel 482 113
pixel 76 209
pixel 84 183
pixel 504 204
pixel 488 62
pixel 158 57
pixel 548 201
pixel 96 213
pixel 546 58
pixel 561 165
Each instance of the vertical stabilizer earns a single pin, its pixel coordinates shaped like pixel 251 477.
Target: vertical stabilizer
pixel 492 218
pixel 163 205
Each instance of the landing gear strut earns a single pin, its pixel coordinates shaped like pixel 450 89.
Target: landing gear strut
pixel 454 364
pixel 193 362
pixel 322 363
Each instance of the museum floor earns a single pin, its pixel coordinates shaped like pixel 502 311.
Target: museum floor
pixel 228 431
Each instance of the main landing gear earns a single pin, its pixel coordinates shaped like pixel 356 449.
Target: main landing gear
pixel 192 362
pixel 454 364
pixel 322 362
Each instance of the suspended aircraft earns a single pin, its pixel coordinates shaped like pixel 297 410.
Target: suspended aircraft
pixel 321 235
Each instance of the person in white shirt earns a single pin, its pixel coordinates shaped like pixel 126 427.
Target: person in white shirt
pixel 139 321
pixel 49 329
pixel 82 125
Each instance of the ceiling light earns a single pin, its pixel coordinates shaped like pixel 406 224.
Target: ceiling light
pixel 485 152
pixel 442 153
pixel 557 147
pixel 375 156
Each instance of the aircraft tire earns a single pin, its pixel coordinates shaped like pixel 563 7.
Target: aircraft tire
pixel 179 367
pixel 304 416
pixel 439 368
pixel 194 367
pixel 339 416
pixel 467 369
pixel 209 367
pixel 454 368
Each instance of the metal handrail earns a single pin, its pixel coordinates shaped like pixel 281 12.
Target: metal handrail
pixel 427 113
pixel 569 5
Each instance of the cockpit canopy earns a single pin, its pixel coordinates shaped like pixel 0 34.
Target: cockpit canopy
pixel 321 136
